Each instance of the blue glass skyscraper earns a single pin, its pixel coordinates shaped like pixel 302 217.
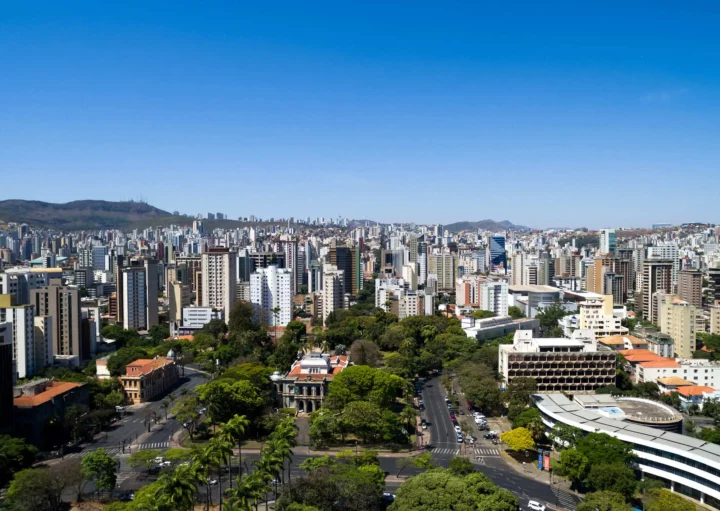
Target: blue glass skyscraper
pixel 498 255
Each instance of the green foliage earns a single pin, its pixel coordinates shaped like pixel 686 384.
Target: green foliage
pixel 440 490
pixel 483 314
pixel 365 353
pixel 574 466
pixel 100 467
pixel 515 312
pixel 600 448
pixel 225 398
pixel 144 458
pixel 241 319
pixel 614 477
pixel 15 454
pixel 363 383
pixel 604 501
pixel 121 358
pixel 665 500
pixel 36 489
pixel 549 317
pixel 518 439
pixel 526 417
pixel 460 466
pixel 158 333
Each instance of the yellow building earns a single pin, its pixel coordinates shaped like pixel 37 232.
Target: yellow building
pixel 146 379
pixel 677 319
pixel 596 315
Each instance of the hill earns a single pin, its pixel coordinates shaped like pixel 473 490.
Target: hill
pixel 78 215
pixel 487 225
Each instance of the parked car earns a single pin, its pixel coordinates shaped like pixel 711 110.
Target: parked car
pixel 534 505
pixel 458 429
pixel 212 482
pixel 452 417
pixel 460 439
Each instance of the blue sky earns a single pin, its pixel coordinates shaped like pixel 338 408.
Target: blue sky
pixel 545 114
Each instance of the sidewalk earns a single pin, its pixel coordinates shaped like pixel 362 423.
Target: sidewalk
pixel 542 476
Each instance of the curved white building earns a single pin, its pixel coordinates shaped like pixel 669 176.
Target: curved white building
pixel 688 465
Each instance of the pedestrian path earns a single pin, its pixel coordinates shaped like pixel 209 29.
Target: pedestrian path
pixel 564 499
pixel 153 445
pixel 439 450
pixel 487 452
pixel 116 451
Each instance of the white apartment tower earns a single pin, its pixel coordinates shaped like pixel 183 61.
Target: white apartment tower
pixel 333 290
pixel 494 297
pixel 271 288
pixel 21 317
pixel 219 279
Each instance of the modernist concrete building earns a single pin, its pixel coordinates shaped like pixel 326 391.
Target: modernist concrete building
pixel 305 386
pixel 686 465
pixel 219 279
pixel 557 365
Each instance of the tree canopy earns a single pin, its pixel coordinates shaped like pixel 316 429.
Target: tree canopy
pixel 363 383
pixel 518 439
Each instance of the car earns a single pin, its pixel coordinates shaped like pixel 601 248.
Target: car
pixel 488 436
pixel 534 505
pixel 452 417
pixel 461 412
pixel 458 429
pixel 388 497
pixel 424 425
pixel 447 399
pixel 164 464
pixel 202 410
pixel 460 439
pixel 422 406
pixel 212 482
pixel 159 460
pixel 449 405
pixel 421 402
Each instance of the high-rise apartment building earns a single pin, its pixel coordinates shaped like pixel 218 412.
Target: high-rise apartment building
pixel 494 297
pixel 690 287
pixel 7 378
pixel 657 277
pixel 271 295
pixel 409 275
pixel 20 282
pixel 62 304
pixel 443 266
pixel 667 251
pixel 677 319
pixel 607 241
pixel 341 258
pixel 333 290
pixel 21 319
pixel 180 296
pixel 43 341
pixel 219 279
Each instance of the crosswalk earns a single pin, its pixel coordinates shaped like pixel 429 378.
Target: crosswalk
pixel 564 499
pixel 487 452
pixel 116 451
pixel 439 450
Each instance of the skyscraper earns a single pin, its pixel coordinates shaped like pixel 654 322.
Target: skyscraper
pixel 333 290
pixel 657 277
pixel 271 288
pixel 607 241
pixel 497 254
pixel 62 304
pixel 690 287
pixel 341 258
pixel 7 378
pixel 21 317
pixel 219 279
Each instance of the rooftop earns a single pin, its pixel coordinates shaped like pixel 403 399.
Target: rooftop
pixel 144 366
pixel 614 340
pixel 695 390
pixel 674 380
pixel 527 288
pixel 55 388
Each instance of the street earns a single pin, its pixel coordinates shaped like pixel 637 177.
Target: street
pixel 445 447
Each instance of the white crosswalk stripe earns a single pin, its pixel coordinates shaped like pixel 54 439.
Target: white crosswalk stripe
pixel 439 450
pixel 154 445
pixel 487 452
pixel 114 451
pixel 566 500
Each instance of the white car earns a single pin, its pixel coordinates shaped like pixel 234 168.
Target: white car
pixel 159 460
pixel 534 505
pixel 458 429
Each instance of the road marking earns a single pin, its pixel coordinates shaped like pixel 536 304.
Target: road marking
pixel 566 499
pixel 454 452
pixel 487 452
pixel 153 445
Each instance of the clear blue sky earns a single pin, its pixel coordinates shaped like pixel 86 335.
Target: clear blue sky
pixel 545 114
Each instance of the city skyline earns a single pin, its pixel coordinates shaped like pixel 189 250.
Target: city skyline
pixel 335 108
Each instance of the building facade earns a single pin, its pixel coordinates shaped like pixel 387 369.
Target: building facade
pixel 219 279
pixel 271 288
pixel 145 379
pixel 306 385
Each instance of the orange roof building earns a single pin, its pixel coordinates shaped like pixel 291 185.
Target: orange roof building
pixel 305 386
pixel 695 390
pixel 145 379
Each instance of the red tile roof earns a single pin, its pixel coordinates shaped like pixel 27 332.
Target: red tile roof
pixel 695 390
pixel 56 388
pixel 145 366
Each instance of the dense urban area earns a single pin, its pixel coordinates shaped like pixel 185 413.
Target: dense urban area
pixel 331 364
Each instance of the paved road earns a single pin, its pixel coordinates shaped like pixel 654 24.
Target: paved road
pixel 444 448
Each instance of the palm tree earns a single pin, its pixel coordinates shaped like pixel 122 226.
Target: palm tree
pixel 276 315
pixel 202 461
pixel 249 490
pixel 269 466
pixel 165 405
pixel 177 489
pixel 234 431
pixel 219 451
pixel 408 416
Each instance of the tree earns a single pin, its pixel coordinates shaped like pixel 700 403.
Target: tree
pixel 234 431
pixel 574 466
pixel 363 383
pixel 665 500
pixel 600 448
pixel 241 318
pixel 604 501
pixel 217 328
pixel 439 490
pixel 520 389
pixel 409 418
pixel 526 417
pixel 100 467
pixel 423 461
pixel 15 454
pixel 460 466
pixel 549 318
pixel 186 412
pixel 35 489
pixel 177 455
pixel 144 458
pixel 518 439
pixel 365 353
pixel 363 419
pixel 616 477
pixel 564 436
pixel 158 333
pixel 225 398
pixel 176 490
pixel 483 314
pixel 122 357
pixel 515 312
